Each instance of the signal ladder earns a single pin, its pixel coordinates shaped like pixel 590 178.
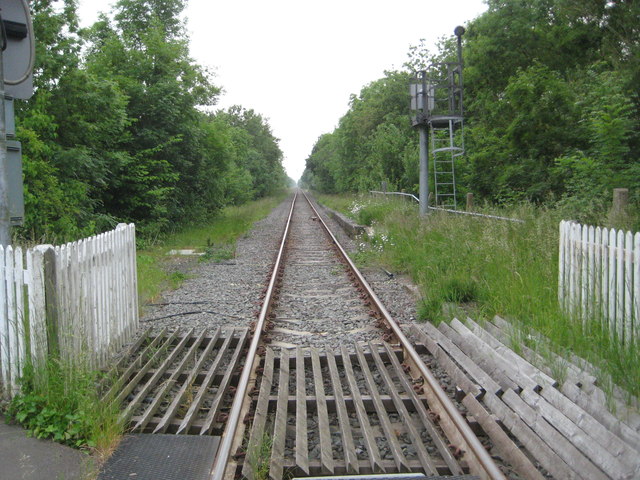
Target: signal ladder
pixel 447 145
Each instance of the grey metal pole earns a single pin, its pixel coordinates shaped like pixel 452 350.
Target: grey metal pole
pixel 424 169
pixel 5 225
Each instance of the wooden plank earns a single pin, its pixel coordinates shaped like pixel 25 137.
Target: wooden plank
pixel 150 411
pixel 421 451
pixel 365 426
pixel 5 355
pixel 600 434
pixel 573 267
pixel 20 312
pixel 451 368
pixel 302 448
pixel 580 464
pixel 604 277
pixel 541 451
pixel 497 357
pixel 620 287
pixel 188 383
pixel 501 441
pixel 513 361
pixel 145 368
pixel 14 349
pixel 591 272
pixel 489 364
pixel 157 375
pixel 348 447
pixel 562 264
pixel 472 368
pixel 601 413
pixel 204 387
pixel 258 433
pixel 584 273
pixel 588 436
pixel 392 440
pixel 597 274
pixel 628 292
pixel 326 456
pixel 635 289
pixel 580 375
pixel 535 445
pixel 612 283
pixel 587 375
pixel 572 373
pixel 461 380
pixel 224 384
pixel 124 377
pixel 276 465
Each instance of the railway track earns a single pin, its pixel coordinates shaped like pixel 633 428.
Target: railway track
pixel 324 382
pixel 360 409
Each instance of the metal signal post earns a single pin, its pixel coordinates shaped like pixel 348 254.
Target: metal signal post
pixel 436 102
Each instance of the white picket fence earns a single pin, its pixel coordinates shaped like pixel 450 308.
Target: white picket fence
pixel 77 300
pixel 599 278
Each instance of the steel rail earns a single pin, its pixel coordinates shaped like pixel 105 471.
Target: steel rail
pixel 489 468
pixel 224 450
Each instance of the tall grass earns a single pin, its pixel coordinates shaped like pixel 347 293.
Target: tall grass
pixel 482 267
pixel 60 401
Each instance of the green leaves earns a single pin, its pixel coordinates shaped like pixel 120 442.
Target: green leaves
pixel 118 133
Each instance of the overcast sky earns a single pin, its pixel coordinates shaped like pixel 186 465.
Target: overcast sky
pixel 297 62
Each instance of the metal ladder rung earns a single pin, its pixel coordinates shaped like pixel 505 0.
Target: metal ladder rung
pixel 447 149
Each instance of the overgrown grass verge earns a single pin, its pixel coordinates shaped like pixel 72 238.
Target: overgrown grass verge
pixel 61 402
pixel 216 240
pixel 482 267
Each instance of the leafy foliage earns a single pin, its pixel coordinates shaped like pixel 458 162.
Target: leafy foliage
pixel 552 110
pixel 120 127
pixel 65 407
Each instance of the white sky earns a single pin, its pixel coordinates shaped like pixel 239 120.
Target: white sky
pixel 297 62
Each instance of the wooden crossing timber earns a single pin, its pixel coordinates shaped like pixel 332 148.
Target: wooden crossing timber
pixel 558 422
pixel 179 382
pixel 337 413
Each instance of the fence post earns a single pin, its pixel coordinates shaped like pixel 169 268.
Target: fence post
pixel 37 306
pixel 469 202
pixel 52 303
pixel 620 201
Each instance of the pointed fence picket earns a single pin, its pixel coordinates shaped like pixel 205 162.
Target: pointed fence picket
pixel 599 278
pixel 77 300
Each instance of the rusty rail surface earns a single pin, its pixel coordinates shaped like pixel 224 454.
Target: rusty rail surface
pixel 452 422
pixel 477 456
pixel 226 443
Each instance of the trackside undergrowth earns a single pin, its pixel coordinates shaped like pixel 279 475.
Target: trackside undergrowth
pixel 480 267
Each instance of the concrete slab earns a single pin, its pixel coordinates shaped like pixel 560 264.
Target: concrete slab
pixel 26 458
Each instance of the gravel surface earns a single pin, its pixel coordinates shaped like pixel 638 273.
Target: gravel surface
pixel 227 294
pixel 224 294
